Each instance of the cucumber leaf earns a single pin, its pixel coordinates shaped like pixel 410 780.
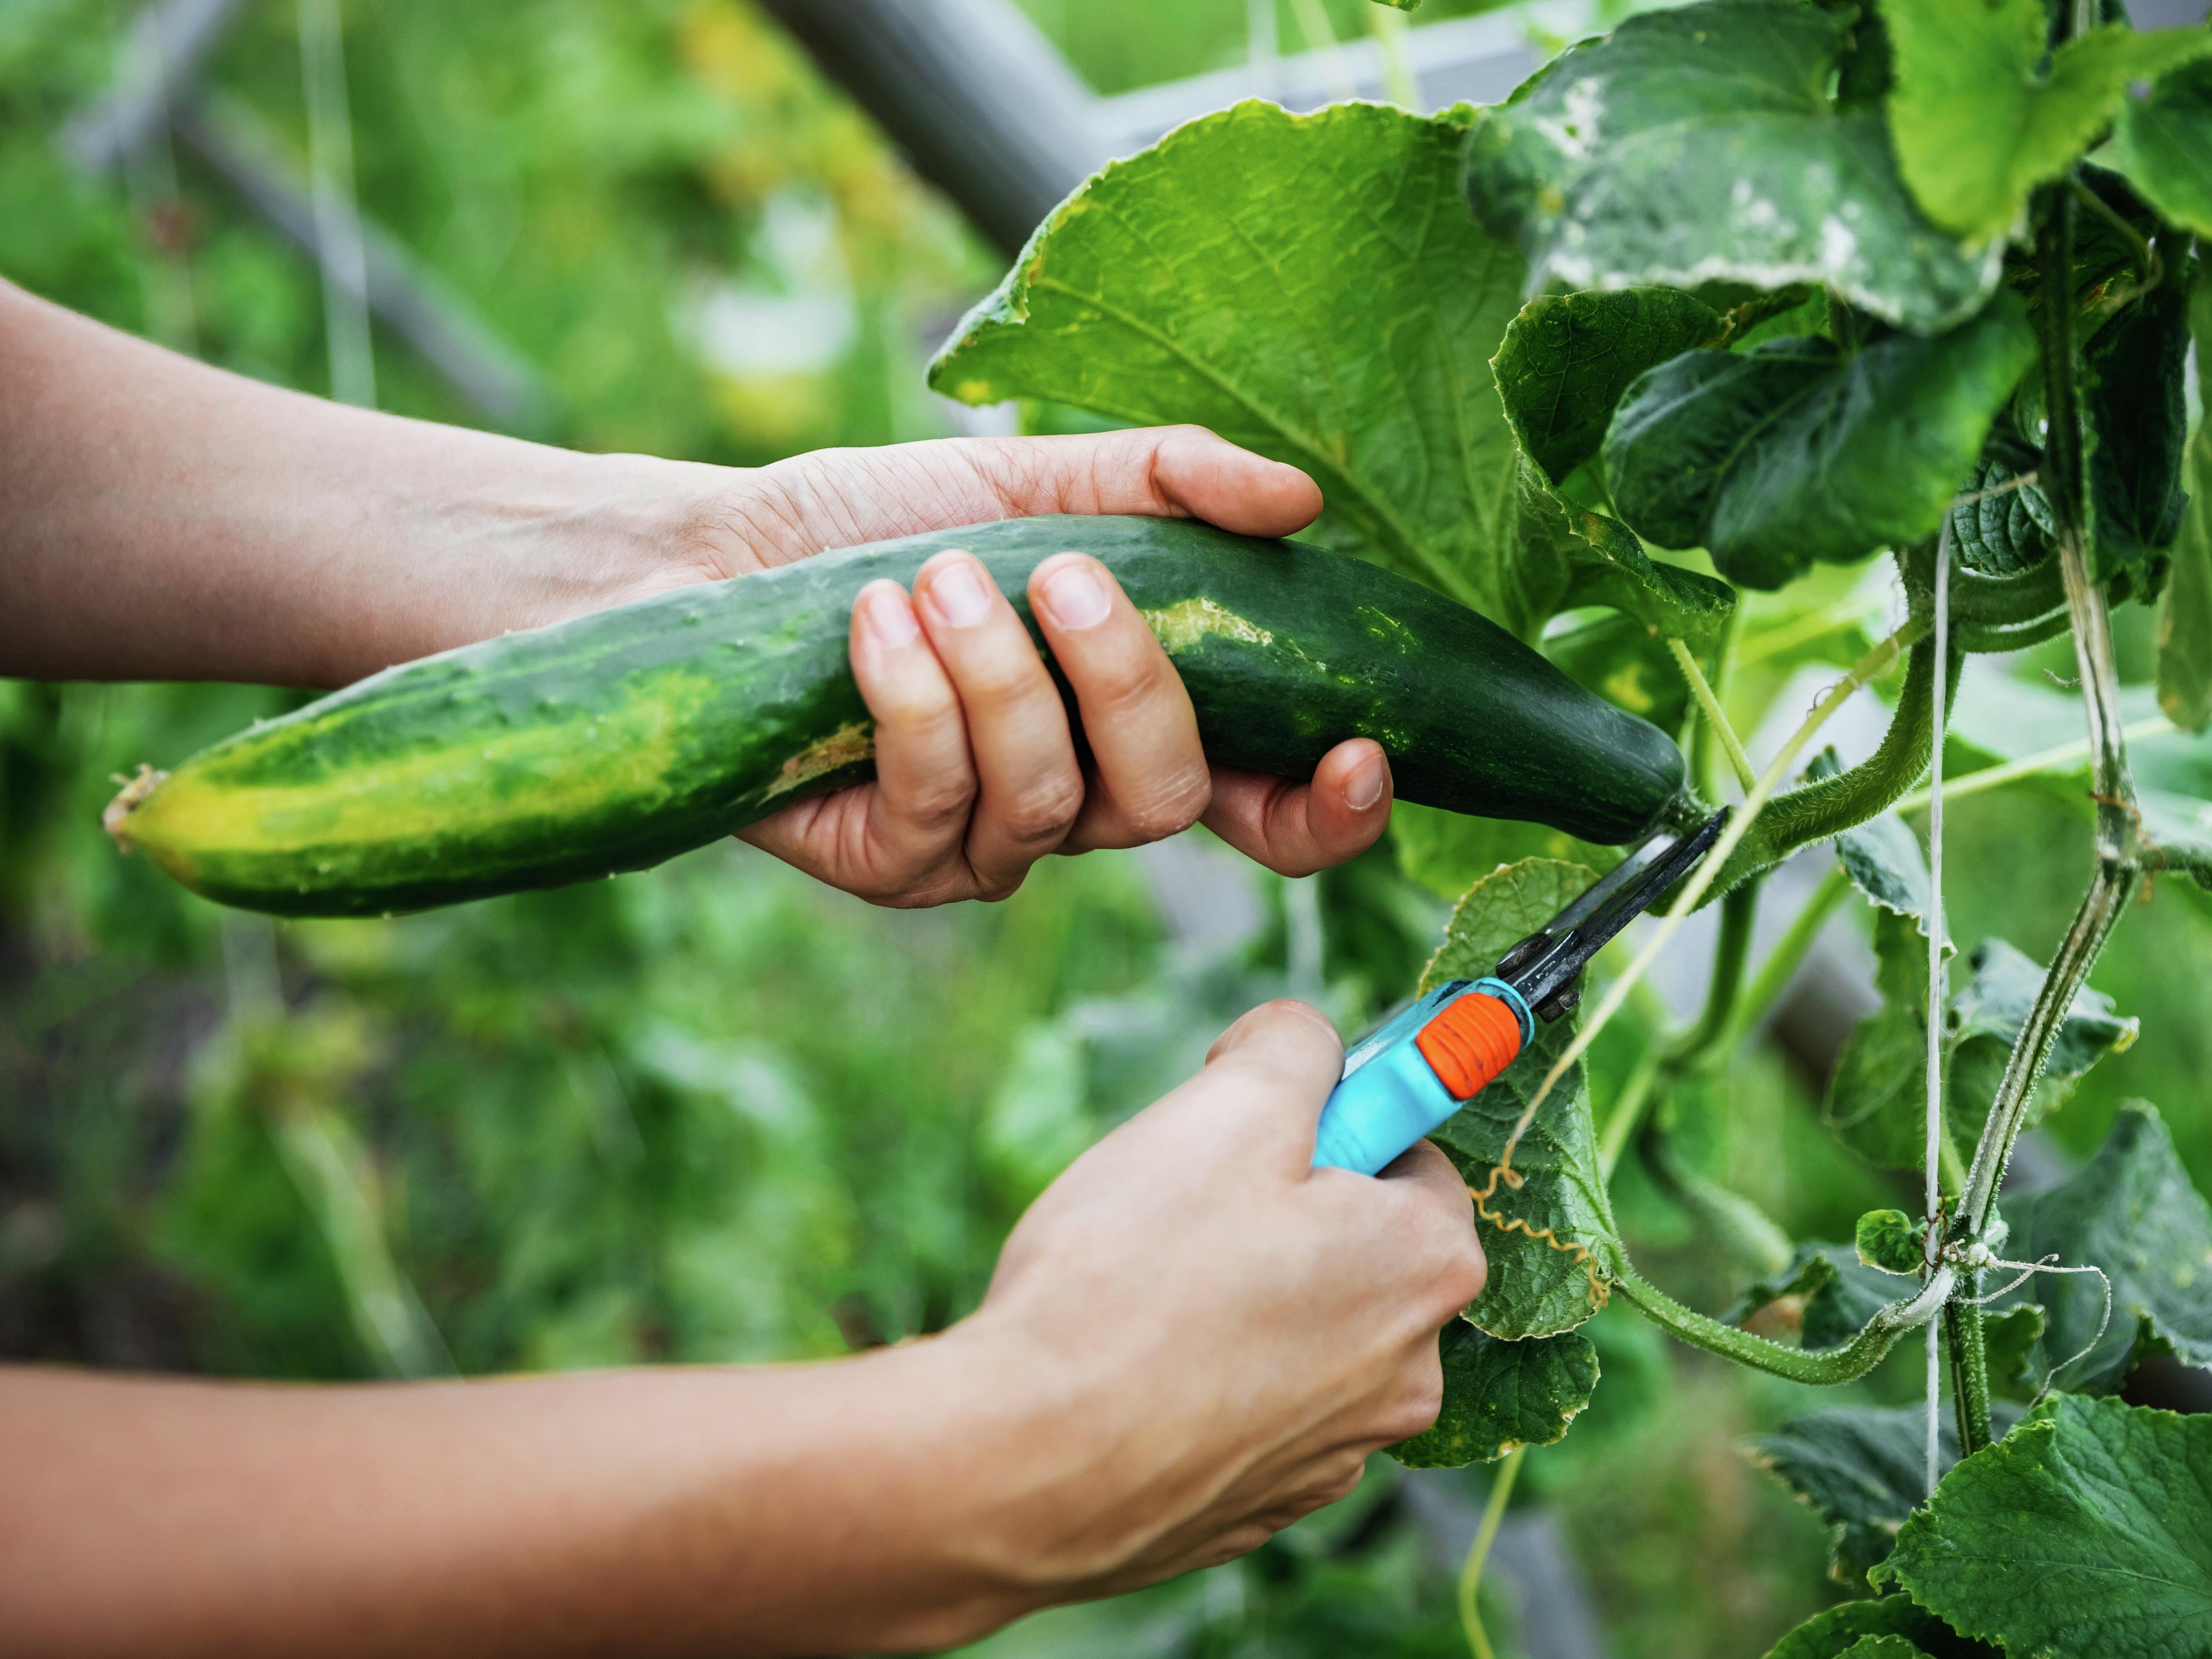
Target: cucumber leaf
pixel 2008 1342
pixel 1308 286
pixel 1551 1242
pixel 1977 125
pixel 1566 359
pixel 1862 1469
pixel 1841 1630
pixel 2184 623
pixel 1500 1396
pixel 2088 1531
pixel 1984 1019
pixel 1796 450
pixel 2131 1211
pixel 2138 417
pixel 2163 143
pixel 1698 145
pixel 1448 852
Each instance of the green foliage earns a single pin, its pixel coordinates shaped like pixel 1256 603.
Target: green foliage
pixel 2163 144
pixel 1797 450
pixel 1889 1240
pixel 1843 1629
pixel 2132 1211
pixel 2087 1530
pixel 1500 1396
pixel 1549 1235
pixel 2184 632
pixel 1862 1469
pixel 1979 122
pixel 1566 360
pixel 2137 408
pixel 1699 145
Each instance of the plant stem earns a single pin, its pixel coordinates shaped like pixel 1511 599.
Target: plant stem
pixel 1775 973
pixel 1739 911
pixel 1716 722
pixel 2118 856
pixel 1970 1367
pixel 1823 1367
pixel 1635 1095
pixel 1478 1554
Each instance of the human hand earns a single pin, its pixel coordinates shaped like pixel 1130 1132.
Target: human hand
pixel 1224 1332
pixel 977 776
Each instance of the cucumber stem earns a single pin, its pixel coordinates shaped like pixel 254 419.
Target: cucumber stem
pixel 1715 721
pixel 1822 1368
pixel 1478 1555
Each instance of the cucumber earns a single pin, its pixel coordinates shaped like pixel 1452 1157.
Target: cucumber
pixel 617 740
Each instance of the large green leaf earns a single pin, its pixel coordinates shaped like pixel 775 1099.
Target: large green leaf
pixel 1572 556
pixel 1566 360
pixel 1551 1240
pixel 1838 1631
pixel 2086 1533
pixel 1698 145
pixel 1978 123
pixel 2185 623
pixel 2139 417
pixel 2130 1211
pixel 1309 287
pixel 1862 1469
pixel 1797 451
pixel 1499 1396
pixel 2163 143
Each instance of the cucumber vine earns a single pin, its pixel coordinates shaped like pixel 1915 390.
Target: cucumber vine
pixel 1777 287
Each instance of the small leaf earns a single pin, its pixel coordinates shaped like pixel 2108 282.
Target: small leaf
pixel 2004 526
pixel 1566 359
pixel 2087 1532
pixel 2164 144
pixel 1569 556
pixel 1978 126
pixel 2130 1211
pixel 1499 1396
pixel 1794 452
pixel 1890 1240
pixel 1862 1469
pixel 2185 622
pixel 1308 286
pixel 1551 1242
pixel 1831 1634
pixel 1697 145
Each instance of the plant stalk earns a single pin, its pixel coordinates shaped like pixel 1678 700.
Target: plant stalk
pixel 1715 727
pixel 2118 855
pixel 1970 1367
pixel 1478 1555
pixel 1823 1367
pixel 1781 964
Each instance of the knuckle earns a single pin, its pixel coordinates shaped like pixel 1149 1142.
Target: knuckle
pixel 1042 812
pixel 1171 810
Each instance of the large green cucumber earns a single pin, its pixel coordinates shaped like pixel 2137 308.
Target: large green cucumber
pixel 619 740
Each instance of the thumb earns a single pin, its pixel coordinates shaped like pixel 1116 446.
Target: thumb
pixel 1171 471
pixel 1279 1061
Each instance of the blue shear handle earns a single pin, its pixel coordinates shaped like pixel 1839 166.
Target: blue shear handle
pixel 1389 1097
pixel 1380 1109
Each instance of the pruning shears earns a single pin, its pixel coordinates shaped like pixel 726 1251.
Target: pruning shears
pixel 1417 1069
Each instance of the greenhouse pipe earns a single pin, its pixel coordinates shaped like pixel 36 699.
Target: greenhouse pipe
pixel 984 107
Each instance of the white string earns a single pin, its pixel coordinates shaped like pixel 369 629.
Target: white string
pixel 1932 1245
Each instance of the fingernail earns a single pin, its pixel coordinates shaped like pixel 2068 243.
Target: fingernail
pixel 1075 596
pixel 887 618
pixel 957 593
pixel 1364 787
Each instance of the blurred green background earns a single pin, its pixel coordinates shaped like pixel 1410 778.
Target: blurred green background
pixel 713 1112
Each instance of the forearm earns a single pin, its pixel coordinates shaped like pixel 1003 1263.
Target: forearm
pixel 850 1506
pixel 162 520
